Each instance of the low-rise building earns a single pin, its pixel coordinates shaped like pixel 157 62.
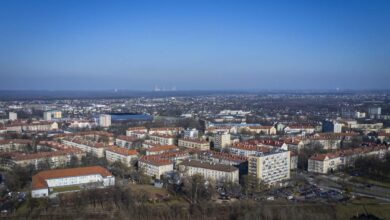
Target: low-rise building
pixel 162 139
pixel 328 162
pixel 210 171
pixel 125 141
pixel 45 182
pixel 98 136
pixel 324 163
pixel 194 143
pixel 154 166
pixel 241 162
pixel 270 130
pixel 166 131
pixel 242 149
pixel 95 148
pixel 37 126
pixel 138 132
pixel 161 149
pixel 11 145
pixel 123 155
pixel 53 159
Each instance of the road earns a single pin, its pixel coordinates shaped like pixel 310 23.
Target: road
pixel 334 182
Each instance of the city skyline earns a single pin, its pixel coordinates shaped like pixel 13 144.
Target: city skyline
pixel 194 45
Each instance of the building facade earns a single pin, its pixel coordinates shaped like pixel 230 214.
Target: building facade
pixel 271 167
pixel 44 182
pixel 123 155
pixel 210 171
pixel 194 143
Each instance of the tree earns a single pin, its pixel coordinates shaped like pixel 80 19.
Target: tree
pixel 120 169
pixel 197 188
pixel 74 161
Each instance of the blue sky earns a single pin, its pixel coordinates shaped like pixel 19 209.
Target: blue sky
pixel 199 44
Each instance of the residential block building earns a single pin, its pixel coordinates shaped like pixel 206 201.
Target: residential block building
pixel 44 182
pixel 210 171
pixel 194 143
pixel 271 167
pixel 120 154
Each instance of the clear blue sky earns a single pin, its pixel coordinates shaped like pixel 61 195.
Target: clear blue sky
pixel 199 44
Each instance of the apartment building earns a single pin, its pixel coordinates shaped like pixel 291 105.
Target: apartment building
pixel 295 129
pixel 137 132
pixel 155 166
pixel 166 131
pixel 194 143
pixel 271 167
pixel 104 136
pixel 161 149
pixel 162 139
pixel 241 162
pixel 95 148
pixel 328 162
pixel 12 145
pixel 244 149
pixel 37 126
pixel 123 155
pixel 43 183
pixel 270 130
pixel 210 171
pixel 49 115
pixel 54 159
pixel 324 163
pixel 125 141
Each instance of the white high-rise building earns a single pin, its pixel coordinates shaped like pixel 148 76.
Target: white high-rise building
pixel 374 111
pixel 271 167
pixel 105 120
pixel 47 116
pixel 12 116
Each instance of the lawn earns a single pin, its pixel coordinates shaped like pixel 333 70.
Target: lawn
pixel 148 188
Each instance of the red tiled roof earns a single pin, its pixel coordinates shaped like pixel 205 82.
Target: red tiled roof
pixel 348 152
pixel 86 133
pixel 251 147
pixel 166 129
pixel 154 160
pixel 16 141
pixel 162 148
pixel 162 135
pixel 39 180
pixel 126 138
pixel 225 156
pixel 23 156
pixel 123 151
pixel 194 140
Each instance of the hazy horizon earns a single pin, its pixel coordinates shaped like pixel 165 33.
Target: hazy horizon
pixel 194 45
